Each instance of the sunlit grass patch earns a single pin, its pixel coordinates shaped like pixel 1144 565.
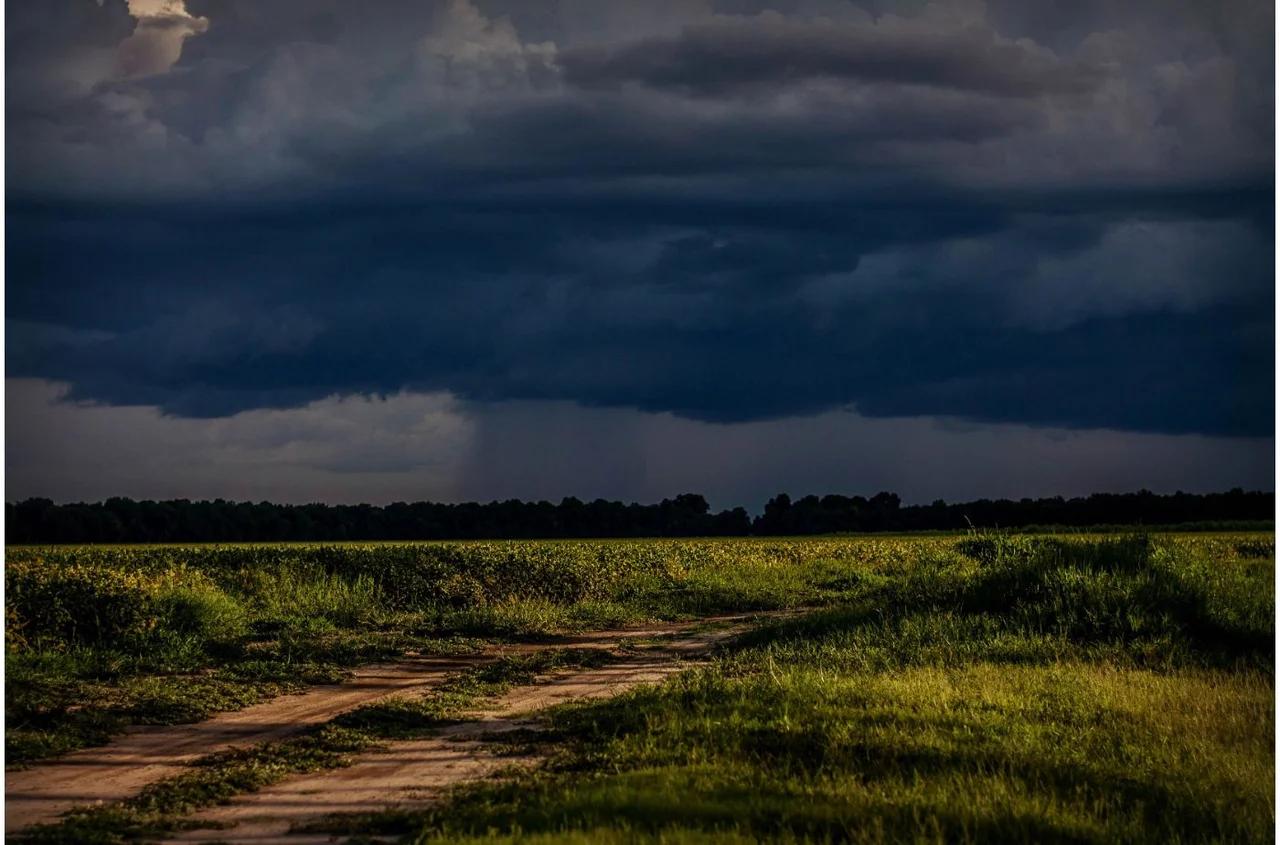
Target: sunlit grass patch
pixel 1072 753
pixel 1006 690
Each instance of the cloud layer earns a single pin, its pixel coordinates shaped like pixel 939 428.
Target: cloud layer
pixel 1037 214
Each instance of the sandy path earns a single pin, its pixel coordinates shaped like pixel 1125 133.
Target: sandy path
pixel 146 754
pixel 413 773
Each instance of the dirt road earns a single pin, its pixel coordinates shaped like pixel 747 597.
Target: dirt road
pixel 412 774
pixel 121 769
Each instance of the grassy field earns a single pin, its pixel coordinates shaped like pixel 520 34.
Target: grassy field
pixel 984 689
pixel 99 638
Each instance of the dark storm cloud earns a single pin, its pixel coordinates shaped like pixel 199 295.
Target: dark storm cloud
pixel 717 320
pixel 601 136
pixel 51 47
pixel 727 220
pixel 714 59
pixel 57 27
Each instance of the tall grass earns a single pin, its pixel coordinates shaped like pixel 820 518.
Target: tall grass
pixel 289 593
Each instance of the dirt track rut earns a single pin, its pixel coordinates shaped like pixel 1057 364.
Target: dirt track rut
pixel 147 754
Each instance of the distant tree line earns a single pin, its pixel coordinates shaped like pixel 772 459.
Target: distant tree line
pixel 883 512
pixel 182 521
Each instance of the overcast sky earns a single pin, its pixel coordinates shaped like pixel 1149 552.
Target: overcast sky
pixel 477 249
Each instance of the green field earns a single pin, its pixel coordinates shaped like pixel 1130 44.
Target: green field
pixel 983 688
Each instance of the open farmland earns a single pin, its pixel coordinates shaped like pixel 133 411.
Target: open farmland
pixel 981 688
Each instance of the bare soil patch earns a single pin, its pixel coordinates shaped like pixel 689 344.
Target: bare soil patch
pixel 414 773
